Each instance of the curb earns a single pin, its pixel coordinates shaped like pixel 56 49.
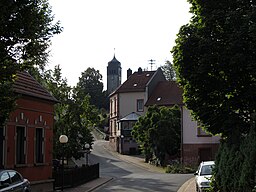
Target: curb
pixel 99 182
pixel 188 186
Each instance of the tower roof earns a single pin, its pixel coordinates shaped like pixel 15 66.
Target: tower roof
pixel 114 61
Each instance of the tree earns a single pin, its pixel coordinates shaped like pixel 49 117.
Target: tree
pixel 72 117
pixel 215 58
pixel 168 71
pixel 90 83
pixel 25 31
pixel 158 132
pixel 215 61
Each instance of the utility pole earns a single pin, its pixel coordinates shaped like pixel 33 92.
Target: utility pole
pixel 151 63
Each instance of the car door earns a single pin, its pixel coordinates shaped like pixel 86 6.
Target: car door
pixel 17 181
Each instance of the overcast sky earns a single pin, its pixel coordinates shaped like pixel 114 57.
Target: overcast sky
pixel 138 30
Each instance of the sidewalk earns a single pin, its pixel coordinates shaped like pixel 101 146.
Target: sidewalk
pixel 188 186
pixel 90 186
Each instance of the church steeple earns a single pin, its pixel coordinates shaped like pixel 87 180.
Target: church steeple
pixel 114 72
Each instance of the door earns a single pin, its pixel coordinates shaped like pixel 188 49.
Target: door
pixel 205 154
pixel 17 181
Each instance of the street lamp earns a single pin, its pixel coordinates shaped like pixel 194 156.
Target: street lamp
pixel 122 140
pixel 87 151
pixel 63 139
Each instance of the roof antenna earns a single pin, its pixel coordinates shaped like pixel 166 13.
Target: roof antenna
pixel 151 62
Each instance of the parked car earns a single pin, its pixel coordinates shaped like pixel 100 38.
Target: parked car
pixel 11 180
pixel 203 175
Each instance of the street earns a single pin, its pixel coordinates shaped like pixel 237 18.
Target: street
pixel 129 176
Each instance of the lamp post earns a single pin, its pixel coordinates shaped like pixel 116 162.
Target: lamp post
pixel 63 139
pixel 122 140
pixel 87 151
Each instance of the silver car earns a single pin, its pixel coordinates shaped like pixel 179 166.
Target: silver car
pixel 11 180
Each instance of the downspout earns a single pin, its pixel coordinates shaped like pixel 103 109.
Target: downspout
pixel 181 146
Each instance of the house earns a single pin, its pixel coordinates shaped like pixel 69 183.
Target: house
pixel 196 145
pixel 127 145
pixel 26 140
pixel 129 97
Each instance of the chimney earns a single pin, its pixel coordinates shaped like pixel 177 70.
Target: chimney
pixel 139 70
pixel 129 73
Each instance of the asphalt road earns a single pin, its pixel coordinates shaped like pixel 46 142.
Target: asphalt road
pixel 130 177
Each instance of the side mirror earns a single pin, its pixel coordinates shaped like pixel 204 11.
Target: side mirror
pixel 196 173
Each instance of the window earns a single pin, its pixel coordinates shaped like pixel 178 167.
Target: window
pixel 140 105
pixel 202 133
pixel 20 145
pixel 2 138
pixel 39 148
pixel 4 179
pixel 15 177
pixel 111 107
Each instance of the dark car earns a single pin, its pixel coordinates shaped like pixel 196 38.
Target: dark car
pixel 11 180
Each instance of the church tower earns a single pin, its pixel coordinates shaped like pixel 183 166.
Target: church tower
pixel 114 75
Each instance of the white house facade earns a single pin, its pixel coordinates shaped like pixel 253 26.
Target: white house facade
pixel 197 145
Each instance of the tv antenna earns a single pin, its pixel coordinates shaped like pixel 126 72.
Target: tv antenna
pixel 151 63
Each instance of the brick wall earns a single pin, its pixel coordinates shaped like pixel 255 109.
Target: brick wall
pixel 193 154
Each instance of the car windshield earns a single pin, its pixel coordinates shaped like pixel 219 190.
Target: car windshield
pixel 206 170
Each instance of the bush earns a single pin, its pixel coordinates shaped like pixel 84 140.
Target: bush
pixel 235 165
pixel 179 168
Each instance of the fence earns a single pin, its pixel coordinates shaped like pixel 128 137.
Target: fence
pixel 75 176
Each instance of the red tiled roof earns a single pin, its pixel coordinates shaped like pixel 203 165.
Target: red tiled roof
pixel 136 82
pixel 25 84
pixel 166 93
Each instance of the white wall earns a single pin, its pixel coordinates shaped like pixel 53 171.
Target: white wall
pixel 128 103
pixel 190 131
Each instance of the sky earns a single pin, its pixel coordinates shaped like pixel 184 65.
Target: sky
pixel 135 31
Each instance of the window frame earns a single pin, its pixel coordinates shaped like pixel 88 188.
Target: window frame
pixel 2 146
pixel 20 152
pixel 39 146
pixel 140 105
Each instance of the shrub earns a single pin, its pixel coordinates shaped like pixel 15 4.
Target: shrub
pixel 179 168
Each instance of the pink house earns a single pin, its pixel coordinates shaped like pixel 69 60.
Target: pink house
pixel 196 145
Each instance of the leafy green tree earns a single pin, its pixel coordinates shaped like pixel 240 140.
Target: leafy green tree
pixel 168 70
pixel 72 117
pixel 158 132
pixel 90 83
pixel 215 58
pixel 26 28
